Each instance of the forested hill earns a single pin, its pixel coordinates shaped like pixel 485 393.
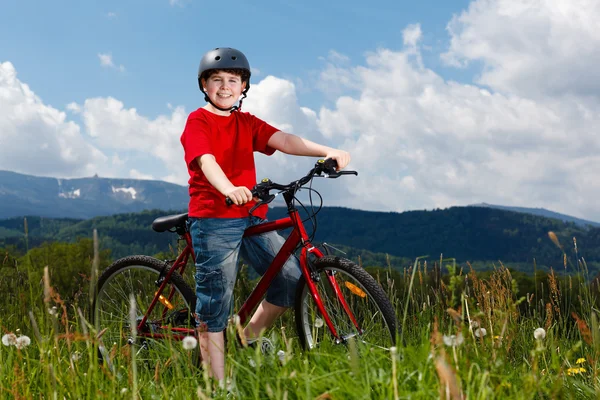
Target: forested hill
pixel 464 233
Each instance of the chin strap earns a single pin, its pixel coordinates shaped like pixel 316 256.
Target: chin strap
pixel 232 109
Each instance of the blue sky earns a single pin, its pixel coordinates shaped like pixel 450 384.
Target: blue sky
pixel 439 103
pixel 55 49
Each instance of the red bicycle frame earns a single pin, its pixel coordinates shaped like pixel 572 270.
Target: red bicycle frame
pixel 297 236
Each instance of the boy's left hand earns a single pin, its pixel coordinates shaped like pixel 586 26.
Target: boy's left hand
pixel 342 157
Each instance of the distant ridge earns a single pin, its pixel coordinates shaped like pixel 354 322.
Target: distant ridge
pixel 541 212
pixel 85 198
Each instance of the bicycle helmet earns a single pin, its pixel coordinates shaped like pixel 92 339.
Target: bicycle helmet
pixel 224 58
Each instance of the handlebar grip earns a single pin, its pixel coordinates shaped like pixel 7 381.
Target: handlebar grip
pixel 230 202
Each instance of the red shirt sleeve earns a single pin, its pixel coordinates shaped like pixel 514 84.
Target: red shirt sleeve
pixel 262 133
pixel 195 141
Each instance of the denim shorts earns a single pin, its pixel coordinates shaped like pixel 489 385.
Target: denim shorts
pixel 218 243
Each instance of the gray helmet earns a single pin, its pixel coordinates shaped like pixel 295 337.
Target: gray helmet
pixel 224 58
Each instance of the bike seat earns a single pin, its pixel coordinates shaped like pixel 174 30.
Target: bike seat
pixel 165 223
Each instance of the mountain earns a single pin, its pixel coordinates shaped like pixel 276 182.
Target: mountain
pixel 84 197
pixel 480 235
pixel 543 213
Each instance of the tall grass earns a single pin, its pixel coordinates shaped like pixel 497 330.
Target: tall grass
pixel 464 335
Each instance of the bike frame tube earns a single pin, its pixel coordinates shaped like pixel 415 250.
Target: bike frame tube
pixel 178 264
pixel 297 236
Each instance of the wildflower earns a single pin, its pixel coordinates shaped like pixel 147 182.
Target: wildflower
pixel 474 324
pixel 124 390
pixel 580 360
pixel 22 341
pixel 281 355
pixel 453 340
pixel 76 356
pixel 10 339
pixel 318 323
pixel 575 371
pixel 480 332
pixel 53 310
pixel 189 343
pixel 539 333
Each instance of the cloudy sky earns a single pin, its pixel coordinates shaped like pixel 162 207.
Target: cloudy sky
pixel 440 104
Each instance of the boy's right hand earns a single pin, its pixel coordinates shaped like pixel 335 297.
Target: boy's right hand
pixel 239 195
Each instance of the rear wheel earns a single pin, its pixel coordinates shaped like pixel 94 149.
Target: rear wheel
pixel 137 276
pixel 374 322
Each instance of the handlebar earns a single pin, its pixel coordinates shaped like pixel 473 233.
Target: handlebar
pixel 323 168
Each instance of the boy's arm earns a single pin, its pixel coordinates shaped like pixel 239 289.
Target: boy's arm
pixel 216 177
pixel 295 145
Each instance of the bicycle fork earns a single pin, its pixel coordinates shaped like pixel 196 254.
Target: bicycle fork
pixel 310 272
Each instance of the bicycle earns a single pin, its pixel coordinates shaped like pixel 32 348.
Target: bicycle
pixel 333 293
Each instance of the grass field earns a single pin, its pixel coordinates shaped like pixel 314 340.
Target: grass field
pixel 463 337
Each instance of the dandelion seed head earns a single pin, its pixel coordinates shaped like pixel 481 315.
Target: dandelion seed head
pixel 474 324
pixel 539 333
pixel 23 341
pixel 281 355
pixel 10 339
pixel 189 343
pixel 453 340
pixel 318 323
pixel 480 332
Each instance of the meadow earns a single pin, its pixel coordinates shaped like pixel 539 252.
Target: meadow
pixel 464 335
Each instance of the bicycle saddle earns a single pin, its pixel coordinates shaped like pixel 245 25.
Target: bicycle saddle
pixel 168 222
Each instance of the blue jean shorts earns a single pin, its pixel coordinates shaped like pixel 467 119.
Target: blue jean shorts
pixel 218 243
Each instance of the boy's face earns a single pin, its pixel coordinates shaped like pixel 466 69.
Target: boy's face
pixel 223 88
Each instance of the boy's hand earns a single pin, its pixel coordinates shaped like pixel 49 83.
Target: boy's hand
pixel 342 157
pixel 239 195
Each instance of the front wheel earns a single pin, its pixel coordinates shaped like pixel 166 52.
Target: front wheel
pixel 357 307
pixel 171 318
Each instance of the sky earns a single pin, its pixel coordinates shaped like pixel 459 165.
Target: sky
pixel 439 103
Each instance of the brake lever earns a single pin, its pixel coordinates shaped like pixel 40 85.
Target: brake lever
pixel 260 203
pixel 337 174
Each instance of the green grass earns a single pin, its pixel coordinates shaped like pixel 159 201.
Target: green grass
pixel 505 363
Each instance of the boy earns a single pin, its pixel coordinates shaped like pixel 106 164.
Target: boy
pixel 219 141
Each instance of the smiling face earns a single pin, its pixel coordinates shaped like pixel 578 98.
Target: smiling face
pixel 223 89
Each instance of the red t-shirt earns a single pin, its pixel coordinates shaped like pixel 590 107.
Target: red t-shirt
pixel 232 139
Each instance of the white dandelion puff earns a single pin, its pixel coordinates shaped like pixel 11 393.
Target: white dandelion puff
pixel 539 333
pixel 189 343
pixel 480 332
pixel 23 341
pixel 474 324
pixel 318 323
pixel 10 339
pixel 281 355
pixel 453 340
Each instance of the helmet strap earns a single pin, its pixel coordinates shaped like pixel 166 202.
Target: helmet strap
pixel 231 109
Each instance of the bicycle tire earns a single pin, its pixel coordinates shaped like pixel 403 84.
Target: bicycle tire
pixel 367 300
pixel 137 275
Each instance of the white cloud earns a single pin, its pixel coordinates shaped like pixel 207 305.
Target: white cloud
pixel 412 35
pixel 36 138
pixel 106 60
pixel 111 15
pixel 115 127
pixel 534 48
